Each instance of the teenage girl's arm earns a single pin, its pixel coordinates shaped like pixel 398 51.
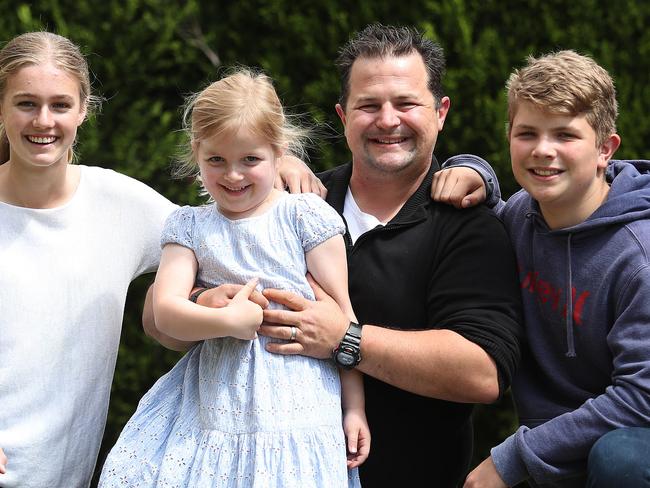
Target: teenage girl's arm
pixel 327 263
pixel 179 318
pixel 150 329
pixel 3 462
pixel 217 297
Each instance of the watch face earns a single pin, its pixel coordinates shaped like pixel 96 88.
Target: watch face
pixel 344 358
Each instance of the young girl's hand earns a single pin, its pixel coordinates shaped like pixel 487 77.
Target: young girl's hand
pixel 3 462
pixel 246 316
pixel 357 436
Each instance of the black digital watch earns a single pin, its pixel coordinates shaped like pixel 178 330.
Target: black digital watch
pixel 348 353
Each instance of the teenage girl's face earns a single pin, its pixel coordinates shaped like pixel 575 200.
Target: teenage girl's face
pixel 238 171
pixel 41 111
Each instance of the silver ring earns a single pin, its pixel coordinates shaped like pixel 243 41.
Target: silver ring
pixel 294 331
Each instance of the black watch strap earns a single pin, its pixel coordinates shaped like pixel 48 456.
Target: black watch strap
pixel 195 296
pixel 347 354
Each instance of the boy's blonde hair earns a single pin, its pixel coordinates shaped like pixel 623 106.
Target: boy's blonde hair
pixel 243 99
pixel 566 82
pixel 34 48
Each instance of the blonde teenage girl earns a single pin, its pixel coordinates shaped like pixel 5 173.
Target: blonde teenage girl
pixel 72 238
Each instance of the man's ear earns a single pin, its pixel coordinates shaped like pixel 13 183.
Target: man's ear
pixel 442 111
pixel 340 112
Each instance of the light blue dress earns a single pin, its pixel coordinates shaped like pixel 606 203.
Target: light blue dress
pixel 231 414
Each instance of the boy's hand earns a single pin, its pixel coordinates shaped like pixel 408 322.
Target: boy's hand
pixel 246 316
pixel 485 475
pixel 3 462
pixel 461 187
pixel 357 436
pixel 295 175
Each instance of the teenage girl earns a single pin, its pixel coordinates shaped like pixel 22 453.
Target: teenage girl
pixel 72 238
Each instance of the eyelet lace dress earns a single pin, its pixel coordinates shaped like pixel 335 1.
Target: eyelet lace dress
pixel 230 414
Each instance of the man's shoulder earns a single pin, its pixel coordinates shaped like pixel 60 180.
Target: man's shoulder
pixel 337 174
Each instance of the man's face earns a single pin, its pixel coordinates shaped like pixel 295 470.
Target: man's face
pixel 391 120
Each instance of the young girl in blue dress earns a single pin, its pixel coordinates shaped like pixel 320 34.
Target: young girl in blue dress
pixel 230 414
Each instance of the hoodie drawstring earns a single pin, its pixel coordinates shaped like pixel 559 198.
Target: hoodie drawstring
pixel 571 349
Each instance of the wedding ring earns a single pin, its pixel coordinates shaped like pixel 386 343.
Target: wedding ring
pixel 294 331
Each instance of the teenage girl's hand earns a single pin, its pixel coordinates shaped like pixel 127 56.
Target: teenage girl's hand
pixel 460 186
pixel 295 175
pixel 485 475
pixel 3 462
pixel 357 436
pixel 222 295
pixel 245 315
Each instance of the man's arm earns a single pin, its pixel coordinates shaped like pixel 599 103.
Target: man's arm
pixel 435 363
pixel 295 176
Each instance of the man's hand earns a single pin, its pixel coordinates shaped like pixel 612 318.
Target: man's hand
pixel 485 475
pixel 222 295
pixel 320 325
pixel 460 186
pixel 3 462
pixel 295 175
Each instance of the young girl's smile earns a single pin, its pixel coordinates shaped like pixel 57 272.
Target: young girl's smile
pixel 41 111
pixel 238 171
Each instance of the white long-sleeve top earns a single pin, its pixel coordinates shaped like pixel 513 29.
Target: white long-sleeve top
pixel 64 275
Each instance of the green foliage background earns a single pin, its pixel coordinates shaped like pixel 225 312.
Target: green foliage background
pixel 146 55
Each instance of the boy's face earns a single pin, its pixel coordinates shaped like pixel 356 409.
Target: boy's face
pixel 555 158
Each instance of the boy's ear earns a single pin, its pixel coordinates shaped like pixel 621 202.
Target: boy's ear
pixel 608 148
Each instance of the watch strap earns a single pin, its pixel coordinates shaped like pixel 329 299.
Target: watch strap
pixel 195 296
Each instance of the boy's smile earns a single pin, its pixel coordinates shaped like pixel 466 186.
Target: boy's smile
pixel 556 159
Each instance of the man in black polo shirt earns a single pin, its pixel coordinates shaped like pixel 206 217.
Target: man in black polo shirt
pixel 434 288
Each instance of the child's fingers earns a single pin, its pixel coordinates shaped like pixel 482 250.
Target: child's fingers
pixel 246 290
pixel 352 442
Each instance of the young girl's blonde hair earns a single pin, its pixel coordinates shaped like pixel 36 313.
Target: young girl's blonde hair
pixel 33 48
pixel 242 99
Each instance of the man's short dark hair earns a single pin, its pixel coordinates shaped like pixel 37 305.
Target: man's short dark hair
pixel 379 41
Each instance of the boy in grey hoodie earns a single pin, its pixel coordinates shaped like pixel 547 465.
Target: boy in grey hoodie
pixel 581 231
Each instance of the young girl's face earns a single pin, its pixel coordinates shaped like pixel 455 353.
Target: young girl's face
pixel 41 111
pixel 238 171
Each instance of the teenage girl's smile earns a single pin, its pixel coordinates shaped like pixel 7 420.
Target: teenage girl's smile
pixel 41 111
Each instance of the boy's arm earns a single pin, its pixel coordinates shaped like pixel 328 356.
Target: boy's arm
pixel 179 318
pixel 463 188
pixel 559 448
pixel 327 263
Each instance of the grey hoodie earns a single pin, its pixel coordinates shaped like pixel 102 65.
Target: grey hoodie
pixel 586 297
